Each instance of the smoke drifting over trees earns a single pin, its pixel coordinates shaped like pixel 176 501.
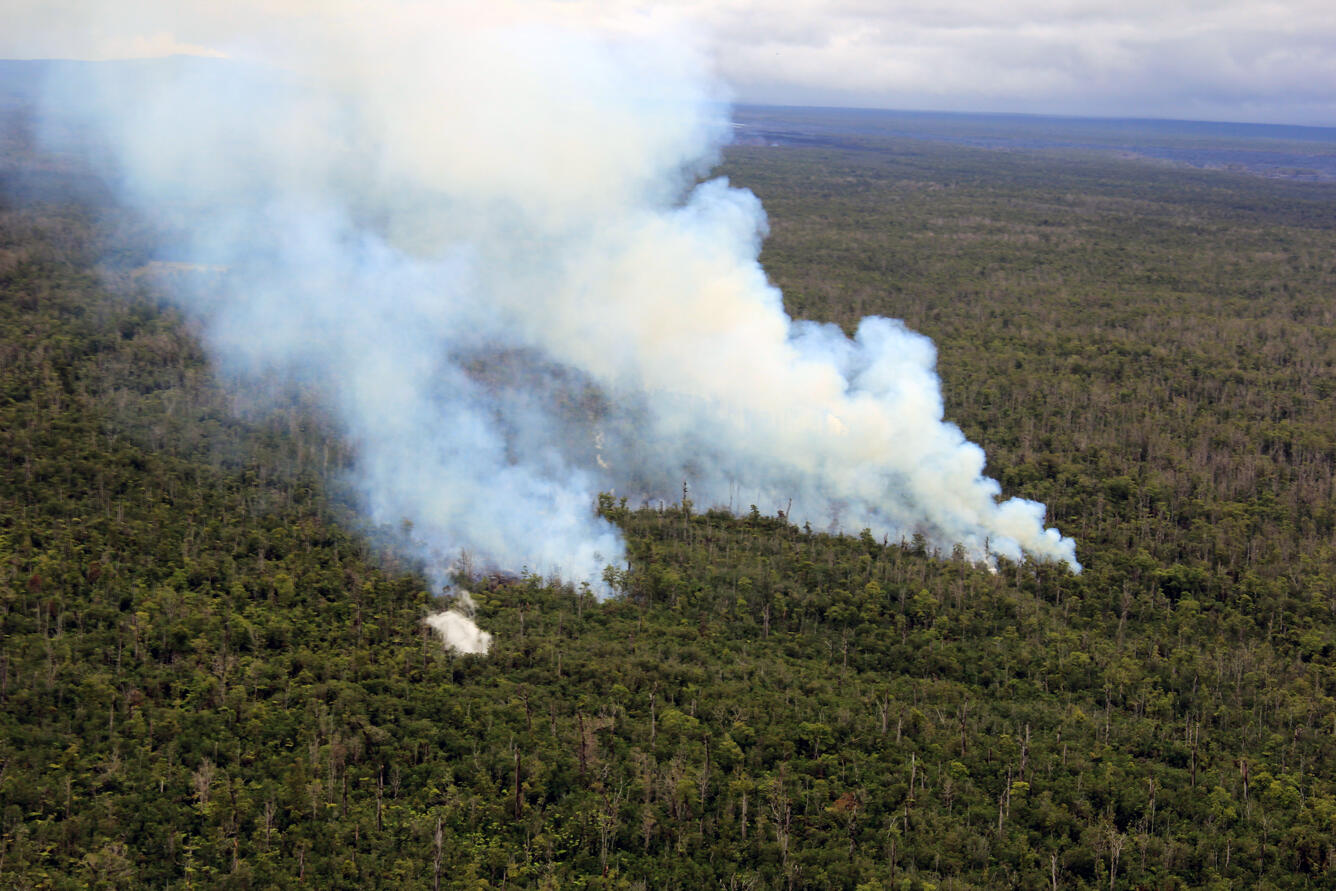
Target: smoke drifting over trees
pixel 490 251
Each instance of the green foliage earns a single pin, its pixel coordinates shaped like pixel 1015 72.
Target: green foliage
pixel 209 676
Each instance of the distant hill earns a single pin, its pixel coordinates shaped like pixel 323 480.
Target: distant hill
pixel 1292 152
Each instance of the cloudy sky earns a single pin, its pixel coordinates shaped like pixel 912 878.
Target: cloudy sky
pixel 1240 60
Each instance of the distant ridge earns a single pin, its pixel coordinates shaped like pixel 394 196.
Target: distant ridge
pixel 1274 150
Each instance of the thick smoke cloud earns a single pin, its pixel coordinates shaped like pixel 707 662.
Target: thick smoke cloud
pixel 488 248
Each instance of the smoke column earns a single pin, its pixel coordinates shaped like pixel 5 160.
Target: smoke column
pixel 488 247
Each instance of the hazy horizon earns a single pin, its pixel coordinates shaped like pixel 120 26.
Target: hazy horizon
pixel 1231 61
pixel 743 103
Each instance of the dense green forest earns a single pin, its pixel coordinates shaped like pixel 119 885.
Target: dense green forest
pixel 211 676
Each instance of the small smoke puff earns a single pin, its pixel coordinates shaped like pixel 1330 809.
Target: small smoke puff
pixel 457 629
pixel 460 633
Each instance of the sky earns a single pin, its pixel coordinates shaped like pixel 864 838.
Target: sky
pixel 1233 60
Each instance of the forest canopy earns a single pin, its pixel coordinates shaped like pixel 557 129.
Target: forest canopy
pixel 213 673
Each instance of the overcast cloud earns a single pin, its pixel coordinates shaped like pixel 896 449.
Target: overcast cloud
pixel 1223 60
pixel 1241 60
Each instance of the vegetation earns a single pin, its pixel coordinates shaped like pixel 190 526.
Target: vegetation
pixel 210 676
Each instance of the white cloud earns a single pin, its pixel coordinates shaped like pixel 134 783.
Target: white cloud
pixel 1239 59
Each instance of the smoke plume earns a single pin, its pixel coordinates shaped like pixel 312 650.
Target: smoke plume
pixel 457 629
pixel 488 246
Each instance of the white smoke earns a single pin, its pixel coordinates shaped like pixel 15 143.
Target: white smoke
pixel 458 630
pixel 486 246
